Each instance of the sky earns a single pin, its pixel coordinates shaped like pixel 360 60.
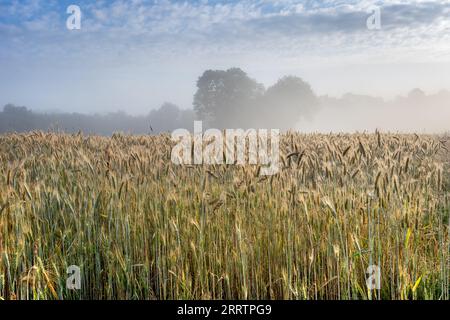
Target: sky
pixel 133 55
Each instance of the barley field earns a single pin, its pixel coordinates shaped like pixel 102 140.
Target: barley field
pixel 141 227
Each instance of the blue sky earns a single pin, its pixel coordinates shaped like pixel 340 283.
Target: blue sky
pixel 133 55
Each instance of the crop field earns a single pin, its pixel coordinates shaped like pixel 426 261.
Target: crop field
pixel 140 227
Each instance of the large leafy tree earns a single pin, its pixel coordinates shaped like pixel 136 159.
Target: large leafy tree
pixel 287 101
pixel 232 99
pixel 226 98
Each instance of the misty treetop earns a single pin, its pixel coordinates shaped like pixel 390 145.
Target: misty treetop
pixel 224 98
pixel 229 99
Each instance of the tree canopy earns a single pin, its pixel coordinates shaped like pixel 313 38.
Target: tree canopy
pixel 232 99
pixel 222 95
pixel 224 99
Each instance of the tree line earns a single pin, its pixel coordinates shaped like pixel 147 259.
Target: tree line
pixel 167 118
pixel 224 99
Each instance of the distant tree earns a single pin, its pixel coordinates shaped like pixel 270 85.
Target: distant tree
pixel 287 101
pixel 166 118
pixel 226 98
pixel 416 94
pixel 17 119
pixel 186 119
